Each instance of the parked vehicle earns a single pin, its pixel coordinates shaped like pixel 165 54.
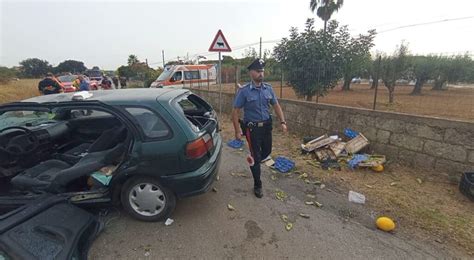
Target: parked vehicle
pixel 67 81
pixel 95 78
pixel 177 76
pixel 356 80
pixel 141 148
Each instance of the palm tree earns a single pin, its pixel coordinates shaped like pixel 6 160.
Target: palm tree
pixel 132 59
pixel 326 8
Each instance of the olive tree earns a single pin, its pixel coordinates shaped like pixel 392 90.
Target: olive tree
pixel 356 56
pixel 312 60
pixel 394 67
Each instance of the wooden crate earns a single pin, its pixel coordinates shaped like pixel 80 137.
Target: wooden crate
pixel 356 144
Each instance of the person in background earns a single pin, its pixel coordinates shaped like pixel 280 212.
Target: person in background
pixel 106 84
pixel 76 83
pixel 123 82
pixel 115 80
pixel 83 85
pixel 49 85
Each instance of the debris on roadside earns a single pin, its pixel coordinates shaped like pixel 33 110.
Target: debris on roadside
pixel 289 226
pixel 318 143
pixel 356 197
pixel 350 133
pixel 311 196
pixel 268 161
pixel 385 223
pixel 466 185
pixel 419 180
pixel 313 203
pixel 283 164
pixel 284 218
pixel 273 177
pixel 230 207
pixel 304 215
pixel 280 195
pixel 304 175
pixel 214 189
pixel 330 152
pixel 169 221
pixel 236 143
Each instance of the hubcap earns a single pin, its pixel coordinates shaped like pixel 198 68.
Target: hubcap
pixel 147 199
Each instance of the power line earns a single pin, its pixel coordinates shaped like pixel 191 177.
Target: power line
pixel 239 47
pixel 426 23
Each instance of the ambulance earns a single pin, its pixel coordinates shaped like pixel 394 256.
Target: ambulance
pixel 179 76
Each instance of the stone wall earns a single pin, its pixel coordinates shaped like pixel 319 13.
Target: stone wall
pixel 417 141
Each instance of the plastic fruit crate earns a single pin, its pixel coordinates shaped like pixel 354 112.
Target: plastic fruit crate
pixel 466 186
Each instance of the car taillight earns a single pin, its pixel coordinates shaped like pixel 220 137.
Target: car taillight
pixel 198 148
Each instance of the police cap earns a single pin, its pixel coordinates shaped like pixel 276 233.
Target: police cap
pixel 257 64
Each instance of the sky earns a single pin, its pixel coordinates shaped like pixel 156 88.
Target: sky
pixel 103 33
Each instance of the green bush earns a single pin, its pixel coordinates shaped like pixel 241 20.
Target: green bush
pixel 7 74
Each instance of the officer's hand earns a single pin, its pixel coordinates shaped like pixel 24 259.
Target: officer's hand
pixel 284 128
pixel 238 135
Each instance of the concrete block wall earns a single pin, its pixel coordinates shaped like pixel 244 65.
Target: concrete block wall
pixel 416 141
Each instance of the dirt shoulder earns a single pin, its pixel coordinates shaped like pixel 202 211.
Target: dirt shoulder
pixel 424 204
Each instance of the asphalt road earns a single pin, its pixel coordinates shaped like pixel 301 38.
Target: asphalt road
pixel 204 228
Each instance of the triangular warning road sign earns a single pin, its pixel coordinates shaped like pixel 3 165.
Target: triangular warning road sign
pixel 220 43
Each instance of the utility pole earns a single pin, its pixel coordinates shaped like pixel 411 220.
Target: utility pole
pixel 260 53
pixel 146 61
pixel 163 56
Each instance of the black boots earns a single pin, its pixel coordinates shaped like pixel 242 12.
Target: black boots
pixel 258 192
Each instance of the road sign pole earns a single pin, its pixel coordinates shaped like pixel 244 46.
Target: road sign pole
pixel 219 44
pixel 220 84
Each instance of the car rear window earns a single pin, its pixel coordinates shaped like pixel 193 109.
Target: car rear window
pixel 195 109
pixel 152 125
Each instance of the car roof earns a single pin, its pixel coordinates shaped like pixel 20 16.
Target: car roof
pixel 119 96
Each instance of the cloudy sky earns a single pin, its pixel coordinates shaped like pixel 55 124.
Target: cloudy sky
pixel 103 33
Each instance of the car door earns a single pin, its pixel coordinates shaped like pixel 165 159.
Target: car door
pixel 47 228
pixel 158 148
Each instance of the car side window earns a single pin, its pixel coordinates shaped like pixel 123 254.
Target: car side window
pixel 190 75
pixel 151 124
pixel 178 75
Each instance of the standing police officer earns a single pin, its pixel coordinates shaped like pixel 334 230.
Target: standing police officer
pixel 255 98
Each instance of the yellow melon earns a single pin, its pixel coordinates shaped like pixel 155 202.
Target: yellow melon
pixel 385 224
pixel 378 168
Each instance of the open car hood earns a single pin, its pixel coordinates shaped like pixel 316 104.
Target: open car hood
pixel 47 228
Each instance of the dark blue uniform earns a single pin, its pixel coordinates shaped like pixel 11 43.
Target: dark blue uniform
pixel 256 102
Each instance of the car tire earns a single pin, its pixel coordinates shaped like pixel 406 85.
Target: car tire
pixel 138 199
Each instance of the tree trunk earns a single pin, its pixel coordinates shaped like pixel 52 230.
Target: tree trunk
pixel 347 84
pixel 438 84
pixel 325 23
pixel 418 86
pixel 391 94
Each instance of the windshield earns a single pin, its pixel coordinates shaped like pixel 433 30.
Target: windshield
pixel 94 74
pixel 25 118
pixel 165 74
pixel 67 78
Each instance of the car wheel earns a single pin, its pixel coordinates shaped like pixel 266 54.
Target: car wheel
pixel 144 198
